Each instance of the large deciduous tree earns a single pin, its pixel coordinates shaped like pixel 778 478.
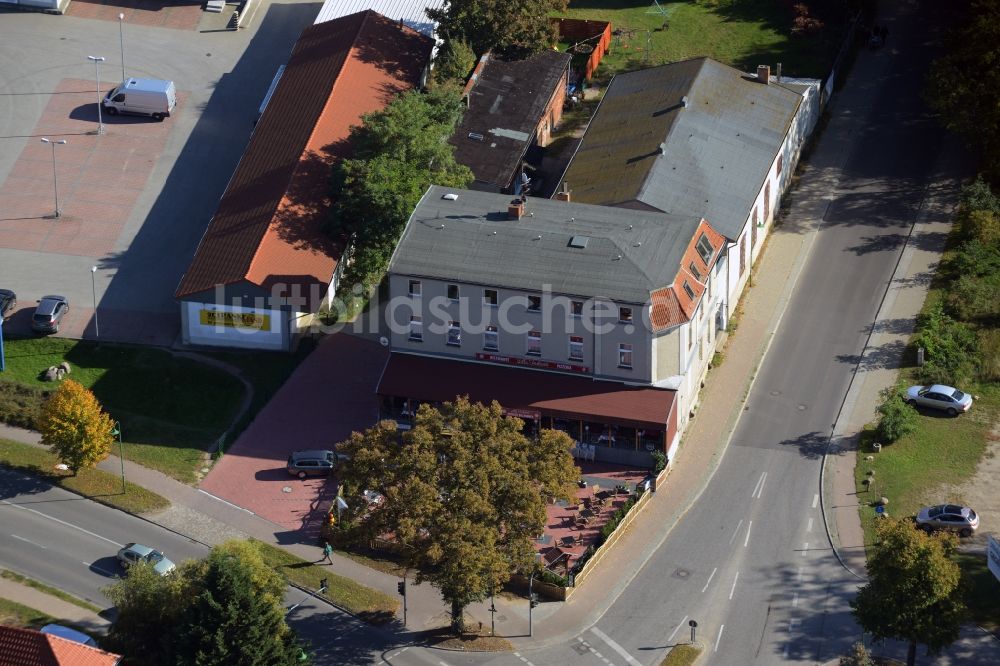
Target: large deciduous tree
pixel 464 491
pixel 913 590
pixel 510 28
pixel 76 428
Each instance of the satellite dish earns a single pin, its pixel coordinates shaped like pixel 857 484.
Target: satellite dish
pixel 384 341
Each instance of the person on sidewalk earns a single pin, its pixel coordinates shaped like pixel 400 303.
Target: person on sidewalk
pixel 327 552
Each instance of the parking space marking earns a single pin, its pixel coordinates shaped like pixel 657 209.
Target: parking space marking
pixel 615 646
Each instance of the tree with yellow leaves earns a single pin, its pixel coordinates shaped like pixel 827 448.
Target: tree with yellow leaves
pixel 76 428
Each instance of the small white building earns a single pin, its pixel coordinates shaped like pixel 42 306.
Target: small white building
pixel 411 13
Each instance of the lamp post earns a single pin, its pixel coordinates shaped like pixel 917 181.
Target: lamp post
pixel 116 431
pixel 93 289
pixel 121 40
pixel 55 180
pixel 97 60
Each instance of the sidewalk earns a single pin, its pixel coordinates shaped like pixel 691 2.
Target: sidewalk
pixel 62 611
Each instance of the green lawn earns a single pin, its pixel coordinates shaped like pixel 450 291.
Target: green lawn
pixel 682 655
pixel 741 33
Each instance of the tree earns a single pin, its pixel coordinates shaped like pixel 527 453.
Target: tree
pixel 913 588
pixel 454 62
pixel 464 491
pixel 896 418
pixel 73 424
pixel 398 153
pixel 509 28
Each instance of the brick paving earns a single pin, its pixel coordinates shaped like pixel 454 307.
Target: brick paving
pixel 182 15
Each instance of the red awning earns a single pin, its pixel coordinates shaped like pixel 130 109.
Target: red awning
pixel 562 396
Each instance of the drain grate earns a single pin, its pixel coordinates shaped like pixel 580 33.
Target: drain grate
pixel 680 573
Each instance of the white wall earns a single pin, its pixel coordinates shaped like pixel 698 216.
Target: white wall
pixel 273 337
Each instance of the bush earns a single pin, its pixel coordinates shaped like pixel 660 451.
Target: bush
pixel 896 418
pixel 989 355
pixel 454 62
pixel 20 405
pixel 858 656
pixel 949 346
pixel 659 461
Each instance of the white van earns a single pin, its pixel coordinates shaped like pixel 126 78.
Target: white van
pixel 147 97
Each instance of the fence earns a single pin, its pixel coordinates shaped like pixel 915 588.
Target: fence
pixel 593 33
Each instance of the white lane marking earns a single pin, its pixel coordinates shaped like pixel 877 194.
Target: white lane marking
pixel 795 600
pixel 616 647
pixel 747 540
pixel 397 652
pixel 732 590
pixel 805 548
pixel 62 522
pixel 798 578
pixel 710 577
pixel 809 525
pixel 225 502
pixel 759 488
pixel 593 651
pixel 518 655
pixel 736 531
pixel 719 637
pixel 98 569
pixel 21 538
pixel 678 628
pixel 815 500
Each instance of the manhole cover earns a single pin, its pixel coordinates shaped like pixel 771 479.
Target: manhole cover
pixel 802 408
pixel 286 489
pixel 681 573
pixel 775 392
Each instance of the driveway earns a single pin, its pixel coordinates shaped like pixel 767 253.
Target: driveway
pixel 330 395
pixel 137 199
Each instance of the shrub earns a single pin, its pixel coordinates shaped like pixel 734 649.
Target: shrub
pixel 896 418
pixel 976 258
pixel 989 355
pixel 858 656
pixel 20 405
pixel 975 299
pixel 659 461
pixel 454 62
pixel 949 347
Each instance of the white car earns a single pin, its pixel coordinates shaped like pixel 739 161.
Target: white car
pixel 133 553
pixel 939 396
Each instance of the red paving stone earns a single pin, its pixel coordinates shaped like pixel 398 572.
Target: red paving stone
pixel 100 178
pixel 162 13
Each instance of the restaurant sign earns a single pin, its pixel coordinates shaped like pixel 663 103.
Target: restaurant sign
pixel 993 555
pixel 531 363
pixel 235 319
pixel 526 414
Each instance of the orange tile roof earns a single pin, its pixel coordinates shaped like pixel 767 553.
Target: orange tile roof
pixel 27 647
pixel 268 227
pixel 671 305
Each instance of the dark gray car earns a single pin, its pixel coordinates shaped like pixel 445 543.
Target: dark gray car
pixel 8 303
pixel 311 463
pixel 48 314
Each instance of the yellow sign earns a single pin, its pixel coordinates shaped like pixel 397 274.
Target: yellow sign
pixel 236 319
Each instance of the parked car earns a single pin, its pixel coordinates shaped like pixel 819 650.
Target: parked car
pixel 48 314
pixel 8 303
pixel 69 634
pixel 951 517
pixel 311 463
pixel 133 553
pixel 939 396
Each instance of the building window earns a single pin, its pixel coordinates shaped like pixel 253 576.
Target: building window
pixel 534 343
pixel 625 315
pixel 743 253
pixel 753 230
pixel 490 296
pixel 576 308
pixel 695 272
pixel 454 334
pixel 415 288
pixel 704 247
pixel 575 348
pixel 491 339
pixel 416 328
pixel 767 200
pixel 688 290
pixel 624 355
pixel 534 303
pixel 453 292
pixel 779 164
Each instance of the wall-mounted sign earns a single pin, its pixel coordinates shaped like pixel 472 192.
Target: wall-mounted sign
pixel 993 555
pixel 526 414
pixel 531 362
pixel 235 319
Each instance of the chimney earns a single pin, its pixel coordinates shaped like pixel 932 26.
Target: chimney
pixel 764 74
pixel 515 209
pixel 563 195
pixel 778 73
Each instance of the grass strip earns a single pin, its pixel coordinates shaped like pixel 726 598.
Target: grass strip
pixel 13 614
pixel 682 655
pixel 51 591
pixel 94 484
pixel 370 605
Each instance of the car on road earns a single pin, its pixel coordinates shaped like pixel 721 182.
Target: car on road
pixel 133 553
pixel 939 396
pixel 950 517
pixel 8 303
pixel 311 463
pixel 48 314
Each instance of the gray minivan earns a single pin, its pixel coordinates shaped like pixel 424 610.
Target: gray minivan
pixel 311 463
pixel 146 97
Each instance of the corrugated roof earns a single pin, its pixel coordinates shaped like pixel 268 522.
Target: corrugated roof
pixel 708 158
pixel 506 102
pixel 412 12
pixel 27 647
pixel 470 239
pixel 268 227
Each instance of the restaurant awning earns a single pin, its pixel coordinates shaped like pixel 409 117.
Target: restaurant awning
pixel 429 379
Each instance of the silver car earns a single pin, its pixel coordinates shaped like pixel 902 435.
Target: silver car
pixel 939 396
pixel 133 553
pixel 950 517
pixel 48 314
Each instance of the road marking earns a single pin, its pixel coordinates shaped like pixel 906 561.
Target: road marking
pixel 518 655
pixel 736 531
pixel 711 576
pixel 805 548
pixel 62 522
pixel 225 502
pixel 732 590
pixel 109 574
pixel 815 500
pixel 795 600
pixel 809 526
pixel 747 540
pixel 719 637
pixel 616 647
pixel 21 538
pixel 593 651
pixel 798 578
pixel 674 633
pixel 759 488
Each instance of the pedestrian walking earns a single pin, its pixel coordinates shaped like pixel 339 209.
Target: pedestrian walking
pixel 328 552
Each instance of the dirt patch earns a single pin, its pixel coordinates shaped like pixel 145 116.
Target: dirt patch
pixel 979 491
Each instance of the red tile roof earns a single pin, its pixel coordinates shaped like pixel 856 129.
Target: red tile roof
pixel 671 305
pixel 268 227
pixel 27 647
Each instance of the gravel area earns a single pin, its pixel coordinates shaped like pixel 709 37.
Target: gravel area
pixel 196 525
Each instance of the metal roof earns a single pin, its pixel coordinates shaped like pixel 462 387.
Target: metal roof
pixel 470 239
pixel 694 137
pixel 412 13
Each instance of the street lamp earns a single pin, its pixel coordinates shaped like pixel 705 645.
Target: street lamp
pixel 121 41
pixel 116 431
pixel 55 181
pixel 97 60
pixel 93 289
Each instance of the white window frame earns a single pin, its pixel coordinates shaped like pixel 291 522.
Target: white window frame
pixel 415 293
pixel 454 338
pixel 486 297
pixel 458 292
pixel 576 341
pixel 625 355
pixel 416 328
pixel 536 338
pixel 491 332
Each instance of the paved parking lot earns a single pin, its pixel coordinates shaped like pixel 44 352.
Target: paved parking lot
pixel 170 14
pixel 138 199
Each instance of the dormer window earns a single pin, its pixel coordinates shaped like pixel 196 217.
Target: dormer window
pixel 704 247
pixel 688 290
pixel 695 272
